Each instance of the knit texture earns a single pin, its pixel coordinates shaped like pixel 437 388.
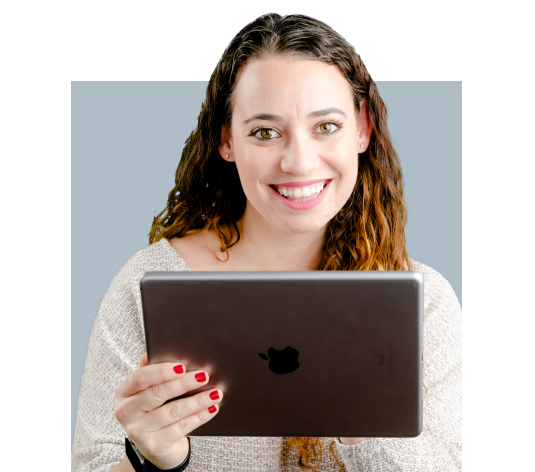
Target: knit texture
pixel 117 342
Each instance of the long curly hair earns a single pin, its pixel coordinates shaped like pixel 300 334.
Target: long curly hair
pixel 366 234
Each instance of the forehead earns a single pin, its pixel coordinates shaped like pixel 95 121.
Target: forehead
pixel 290 86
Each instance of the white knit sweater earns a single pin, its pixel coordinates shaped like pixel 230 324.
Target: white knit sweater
pixel 117 342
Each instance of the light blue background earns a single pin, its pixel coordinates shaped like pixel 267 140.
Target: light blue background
pixel 127 138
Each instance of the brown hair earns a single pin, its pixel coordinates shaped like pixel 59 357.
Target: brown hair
pixel 366 234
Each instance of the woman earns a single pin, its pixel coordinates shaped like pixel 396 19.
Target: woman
pixel 290 168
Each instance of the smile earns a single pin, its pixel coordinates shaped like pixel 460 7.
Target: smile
pixel 300 194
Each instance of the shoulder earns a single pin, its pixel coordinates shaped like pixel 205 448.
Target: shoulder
pixel 123 297
pixel 438 292
pixel 442 335
pixel 199 249
pixel 158 257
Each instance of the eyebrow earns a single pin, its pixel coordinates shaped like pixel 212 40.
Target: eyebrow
pixel 314 114
pixel 326 111
pixel 263 116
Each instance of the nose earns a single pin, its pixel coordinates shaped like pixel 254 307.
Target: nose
pixel 299 156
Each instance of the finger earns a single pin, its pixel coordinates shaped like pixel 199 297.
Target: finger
pixel 178 409
pixel 144 360
pixel 155 396
pixel 185 426
pixel 148 376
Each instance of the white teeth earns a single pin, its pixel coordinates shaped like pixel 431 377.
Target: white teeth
pixel 298 192
pixel 304 199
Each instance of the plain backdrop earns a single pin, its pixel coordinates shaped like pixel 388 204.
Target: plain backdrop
pixel 127 138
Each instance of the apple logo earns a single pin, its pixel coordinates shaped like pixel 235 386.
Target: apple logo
pixel 282 362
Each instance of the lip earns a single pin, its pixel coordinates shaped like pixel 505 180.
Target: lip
pixel 305 183
pixel 304 205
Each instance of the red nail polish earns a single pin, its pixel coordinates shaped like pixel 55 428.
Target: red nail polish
pixel 200 377
pixel 179 369
pixel 214 395
pixel 212 409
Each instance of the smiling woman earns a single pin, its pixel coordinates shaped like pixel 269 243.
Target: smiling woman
pixel 289 97
pixel 290 168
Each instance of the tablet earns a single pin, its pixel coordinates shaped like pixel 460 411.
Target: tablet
pixel 296 354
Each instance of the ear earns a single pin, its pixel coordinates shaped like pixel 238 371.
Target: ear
pixel 365 125
pixel 225 149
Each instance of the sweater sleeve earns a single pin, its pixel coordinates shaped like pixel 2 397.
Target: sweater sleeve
pixel 115 346
pixel 438 448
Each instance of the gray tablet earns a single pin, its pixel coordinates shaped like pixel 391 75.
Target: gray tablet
pixel 302 354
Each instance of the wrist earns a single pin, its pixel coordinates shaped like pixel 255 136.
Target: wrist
pixel 140 463
pixel 352 441
pixel 183 451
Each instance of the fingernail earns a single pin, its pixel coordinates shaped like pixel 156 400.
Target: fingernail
pixel 214 395
pixel 200 377
pixel 212 409
pixel 179 369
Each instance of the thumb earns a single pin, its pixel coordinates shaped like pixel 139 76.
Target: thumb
pixel 144 360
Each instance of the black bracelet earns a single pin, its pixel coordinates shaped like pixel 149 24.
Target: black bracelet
pixel 148 466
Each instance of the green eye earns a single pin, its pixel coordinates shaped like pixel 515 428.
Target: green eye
pixel 265 134
pixel 327 128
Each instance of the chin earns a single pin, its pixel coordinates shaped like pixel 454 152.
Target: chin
pixel 303 225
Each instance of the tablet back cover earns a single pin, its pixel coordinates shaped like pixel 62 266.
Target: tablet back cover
pixel 297 354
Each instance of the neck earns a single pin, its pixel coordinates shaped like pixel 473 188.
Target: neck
pixel 264 247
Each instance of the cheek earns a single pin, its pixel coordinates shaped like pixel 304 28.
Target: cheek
pixel 347 184
pixel 346 166
pixel 352 172
pixel 252 169
pixel 345 162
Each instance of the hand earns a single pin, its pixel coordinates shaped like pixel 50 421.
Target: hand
pixel 159 431
pixel 352 441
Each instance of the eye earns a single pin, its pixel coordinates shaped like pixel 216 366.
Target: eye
pixel 329 127
pixel 265 134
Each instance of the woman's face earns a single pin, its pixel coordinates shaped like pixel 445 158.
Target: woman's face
pixel 295 141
